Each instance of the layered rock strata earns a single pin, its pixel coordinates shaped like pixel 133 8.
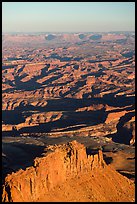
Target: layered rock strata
pixel 58 165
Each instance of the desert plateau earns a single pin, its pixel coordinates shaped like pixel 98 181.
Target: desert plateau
pixel 68 117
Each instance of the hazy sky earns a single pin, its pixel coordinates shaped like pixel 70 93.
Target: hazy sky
pixel 68 16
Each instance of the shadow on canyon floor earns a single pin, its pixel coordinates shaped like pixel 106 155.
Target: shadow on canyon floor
pixel 19 156
pixel 123 135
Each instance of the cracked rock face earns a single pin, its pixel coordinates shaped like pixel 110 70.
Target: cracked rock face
pixel 63 165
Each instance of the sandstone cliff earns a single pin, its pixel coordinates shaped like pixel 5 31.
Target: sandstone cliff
pixel 67 165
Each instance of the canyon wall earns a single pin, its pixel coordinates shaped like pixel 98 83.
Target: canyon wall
pixel 58 164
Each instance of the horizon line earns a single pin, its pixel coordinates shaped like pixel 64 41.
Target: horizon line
pixel 67 31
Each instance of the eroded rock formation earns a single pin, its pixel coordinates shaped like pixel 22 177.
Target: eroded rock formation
pixel 61 165
pixel 70 81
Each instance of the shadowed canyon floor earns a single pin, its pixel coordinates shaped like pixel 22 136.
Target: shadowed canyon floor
pixel 64 87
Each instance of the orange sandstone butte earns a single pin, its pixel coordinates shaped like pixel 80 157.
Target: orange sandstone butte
pixel 67 172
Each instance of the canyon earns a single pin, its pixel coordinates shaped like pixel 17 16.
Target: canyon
pixel 63 90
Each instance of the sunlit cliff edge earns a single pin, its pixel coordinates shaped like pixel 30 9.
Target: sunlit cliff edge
pixel 68 172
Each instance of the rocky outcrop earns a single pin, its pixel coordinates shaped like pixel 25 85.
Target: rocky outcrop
pixel 59 164
pixel 38 83
pixel 115 116
pixel 130 128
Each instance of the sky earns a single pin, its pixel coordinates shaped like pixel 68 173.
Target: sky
pixel 68 16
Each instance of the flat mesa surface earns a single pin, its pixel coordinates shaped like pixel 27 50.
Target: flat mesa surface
pixel 57 88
